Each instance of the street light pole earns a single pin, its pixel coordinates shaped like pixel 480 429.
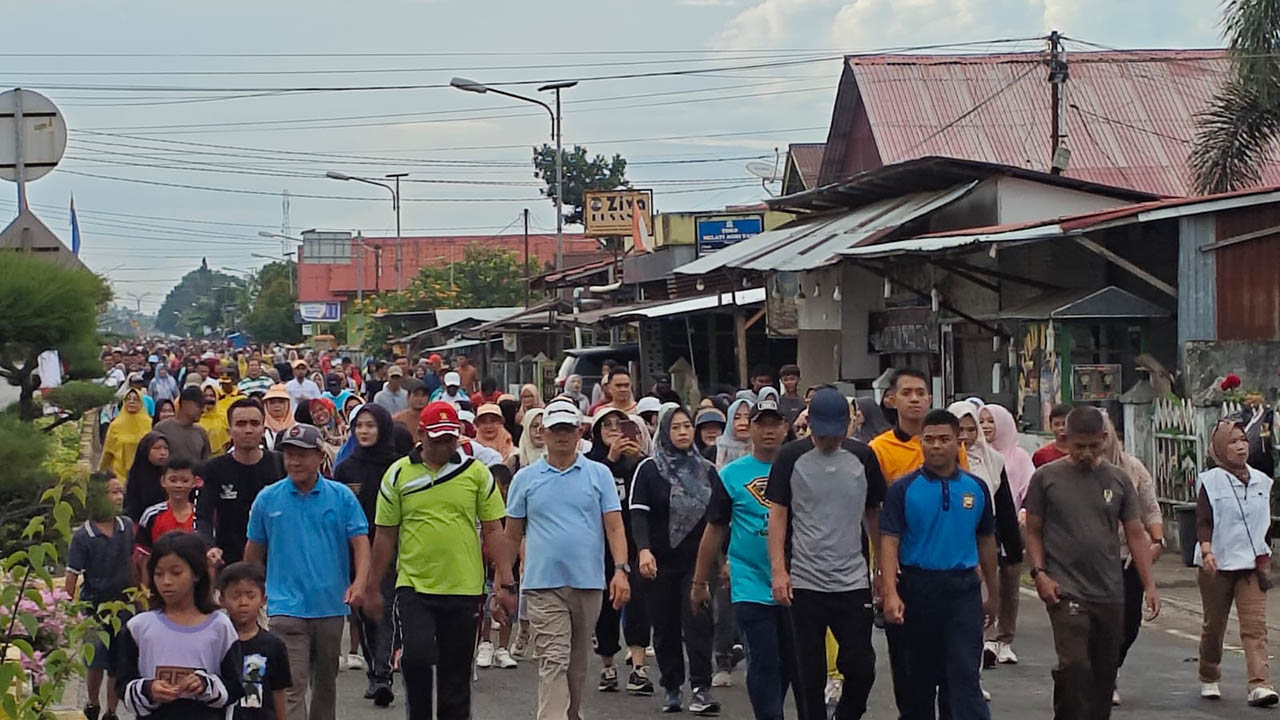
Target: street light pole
pixel 395 204
pixel 556 135
pixel 284 252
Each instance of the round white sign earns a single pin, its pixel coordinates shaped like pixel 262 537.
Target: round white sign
pixel 42 134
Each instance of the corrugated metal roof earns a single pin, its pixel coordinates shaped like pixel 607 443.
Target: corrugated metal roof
pixel 812 243
pixel 1107 302
pixel 1130 119
pixel 808 161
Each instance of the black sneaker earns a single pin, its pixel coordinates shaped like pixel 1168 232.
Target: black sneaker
pixel 368 691
pixel 639 683
pixel 91 712
pixel 737 654
pixel 110 716
pixel 383 694
pixel 702 703
pixel 671 704
pixel 608 680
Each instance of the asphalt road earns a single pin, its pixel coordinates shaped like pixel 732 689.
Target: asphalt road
pixel 1158 681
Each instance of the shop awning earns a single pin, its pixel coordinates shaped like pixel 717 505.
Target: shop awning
pixel 1101 304
pixel 813 242
pixel 668 308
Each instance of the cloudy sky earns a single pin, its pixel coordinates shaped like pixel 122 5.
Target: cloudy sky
pixel 188 120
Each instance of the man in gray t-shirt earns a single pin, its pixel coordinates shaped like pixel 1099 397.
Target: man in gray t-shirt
pixel 393 396
pixel 1074 505
pixel 818 489
pixel 186 439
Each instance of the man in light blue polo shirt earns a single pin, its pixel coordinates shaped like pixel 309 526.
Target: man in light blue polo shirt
pixel 564 506
pixel 738 504
pixel 301 528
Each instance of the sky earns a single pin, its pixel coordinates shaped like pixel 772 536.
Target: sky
pixel 165 101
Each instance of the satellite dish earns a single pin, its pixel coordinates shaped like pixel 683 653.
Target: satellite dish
pixel 767 171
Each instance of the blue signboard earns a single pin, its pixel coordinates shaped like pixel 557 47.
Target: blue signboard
pixel 718 232
pixel 309 312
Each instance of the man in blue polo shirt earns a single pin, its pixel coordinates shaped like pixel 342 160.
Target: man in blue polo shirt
pixel 738 503
pixel 936 527
pixel 302 527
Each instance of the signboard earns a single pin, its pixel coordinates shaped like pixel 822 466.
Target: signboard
pixel 1094 383
pixel 308 330
pixel 718 232
pixel 608 212
pixel 313 312
pixel 29 121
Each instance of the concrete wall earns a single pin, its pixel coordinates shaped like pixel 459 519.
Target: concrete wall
pixel 863 292
pixel 1255 362
pixel 1022 200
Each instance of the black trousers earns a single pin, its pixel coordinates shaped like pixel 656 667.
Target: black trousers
pixel 1087 639
pixel 376 634
pixel 943 631
pixel 674 625
pixel 633 619
pixel 1134 594
pixel 848 615
pixel 436 632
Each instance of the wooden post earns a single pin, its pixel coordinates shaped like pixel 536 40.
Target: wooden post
pixel 740 338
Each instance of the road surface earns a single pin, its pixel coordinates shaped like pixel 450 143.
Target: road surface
pixel 1158 681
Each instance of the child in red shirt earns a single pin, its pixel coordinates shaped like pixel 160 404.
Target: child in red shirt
pixel 176 513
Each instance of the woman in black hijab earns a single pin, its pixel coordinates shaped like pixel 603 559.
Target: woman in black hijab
pixel 373 448
pixel 142 489
pixel 510 406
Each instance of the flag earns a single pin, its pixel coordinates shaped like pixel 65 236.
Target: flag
pixel 75 228
pixel 640 236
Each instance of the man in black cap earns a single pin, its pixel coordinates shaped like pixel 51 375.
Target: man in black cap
pixel 816 486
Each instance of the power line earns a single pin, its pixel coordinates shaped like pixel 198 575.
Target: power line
pixel 976 107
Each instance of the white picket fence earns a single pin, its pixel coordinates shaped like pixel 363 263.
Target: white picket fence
pixel 1179 451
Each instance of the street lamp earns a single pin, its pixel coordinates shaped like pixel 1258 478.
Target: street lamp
pixel 284 249
pixel 556 134
pixel 395 204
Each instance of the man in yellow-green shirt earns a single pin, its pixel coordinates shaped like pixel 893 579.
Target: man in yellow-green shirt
pixel 429 505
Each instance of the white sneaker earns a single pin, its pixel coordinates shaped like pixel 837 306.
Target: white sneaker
pixel 990 655
pixel 835 689
pixel 1005 656
pixel 722 678
pixel 1115 698
pixel 985 695
pixel 1263 697
pixel 484 655
pixel 354 662
pixel 648 652
pixel 1210 691
pixel 502 658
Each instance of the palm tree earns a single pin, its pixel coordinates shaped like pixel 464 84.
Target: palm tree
pixel 1236 134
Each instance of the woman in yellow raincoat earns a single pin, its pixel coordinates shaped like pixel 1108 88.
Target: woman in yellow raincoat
pixel 123 435
pixel 213 420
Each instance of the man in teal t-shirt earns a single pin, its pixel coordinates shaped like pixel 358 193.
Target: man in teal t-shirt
pixel 737 502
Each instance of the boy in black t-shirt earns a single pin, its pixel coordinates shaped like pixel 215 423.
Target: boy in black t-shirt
pixel 265 673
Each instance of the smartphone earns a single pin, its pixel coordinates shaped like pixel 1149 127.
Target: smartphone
pixel 630 430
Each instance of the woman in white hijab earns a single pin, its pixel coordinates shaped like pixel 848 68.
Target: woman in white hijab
pixel 987 463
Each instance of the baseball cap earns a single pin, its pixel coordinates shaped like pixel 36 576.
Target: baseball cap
pixel 136 377
pixel 276 392
pixel 395 371
pixel 298 362
pixel 488 409
pixel 829 413
pixel 561 412
pixel 440 419
pixel 153 358
pixel 709 415
pixel 767 405
pixel 302 436
pixel 648 403
pixel 452 379
pixel 434 358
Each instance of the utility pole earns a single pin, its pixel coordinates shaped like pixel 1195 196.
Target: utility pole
pixel 527 280
pixel 1058 76
pixel 399 239
pixel 359 267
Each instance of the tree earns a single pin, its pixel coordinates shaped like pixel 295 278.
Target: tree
pixel 46 306
pixel 199 301
pixel 269 305
pixel 581 173
pixel 1238 131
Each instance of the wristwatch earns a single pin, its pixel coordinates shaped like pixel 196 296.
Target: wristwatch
pixel 624 567
pixel 1036 571
pixel 511 588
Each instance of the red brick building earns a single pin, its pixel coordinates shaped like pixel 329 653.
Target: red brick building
pixel 330 273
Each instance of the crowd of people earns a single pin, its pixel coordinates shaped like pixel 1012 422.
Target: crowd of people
pixel 436 524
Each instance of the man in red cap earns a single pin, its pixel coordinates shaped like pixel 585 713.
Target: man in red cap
pixel 428 507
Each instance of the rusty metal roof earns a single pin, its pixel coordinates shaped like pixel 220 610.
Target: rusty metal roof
pixel 807 158
pixel 1130 116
